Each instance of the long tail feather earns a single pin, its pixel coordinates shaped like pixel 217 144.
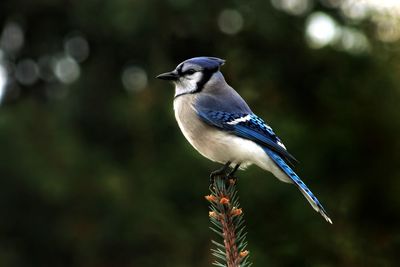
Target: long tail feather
pixel 299 183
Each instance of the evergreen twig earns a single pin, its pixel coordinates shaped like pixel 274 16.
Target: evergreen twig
pixel 227 219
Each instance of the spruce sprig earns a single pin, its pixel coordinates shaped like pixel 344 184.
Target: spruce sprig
pixel 227 219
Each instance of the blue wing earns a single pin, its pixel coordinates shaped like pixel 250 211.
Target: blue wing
pixel 248 126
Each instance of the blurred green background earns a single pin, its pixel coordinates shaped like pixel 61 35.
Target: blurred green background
pixel 94 171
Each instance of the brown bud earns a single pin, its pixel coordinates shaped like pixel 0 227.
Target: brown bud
pixel 235 211
pixel 243 253
pixel 213 214
pixel 224 200
pixel 211 198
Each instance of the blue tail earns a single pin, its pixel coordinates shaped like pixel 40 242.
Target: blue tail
pixel 299 183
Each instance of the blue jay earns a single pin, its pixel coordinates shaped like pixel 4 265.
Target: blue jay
pixel 219 124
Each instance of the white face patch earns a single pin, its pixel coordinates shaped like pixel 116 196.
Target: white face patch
pixel 187 83
pixel 238 120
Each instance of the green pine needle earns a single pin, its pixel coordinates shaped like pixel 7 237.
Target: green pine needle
pixel 227 219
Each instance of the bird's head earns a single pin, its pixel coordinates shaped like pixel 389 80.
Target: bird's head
pixel 191 75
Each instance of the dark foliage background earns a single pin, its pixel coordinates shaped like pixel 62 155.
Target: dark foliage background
pixel 94 171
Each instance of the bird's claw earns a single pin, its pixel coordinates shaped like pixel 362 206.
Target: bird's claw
pixel 229 178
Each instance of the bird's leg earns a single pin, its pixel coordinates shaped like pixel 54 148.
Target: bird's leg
pixel 231 174
pixel 218 172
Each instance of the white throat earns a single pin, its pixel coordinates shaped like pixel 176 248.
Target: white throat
pixel 187 84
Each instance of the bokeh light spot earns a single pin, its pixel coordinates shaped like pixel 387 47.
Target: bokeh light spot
pixel 388 30
pixel 355 10
pixel 385 15
pixel 321 30
pixel 3 80
pixel 26 72
pixel 293 7
pixel 77 47
pixel 353 41
pixel 12 37
pixel 394 5
pixel 67 70
pixel 230 21
pixel 134 78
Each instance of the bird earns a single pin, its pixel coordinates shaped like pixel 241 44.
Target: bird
pixel 220 125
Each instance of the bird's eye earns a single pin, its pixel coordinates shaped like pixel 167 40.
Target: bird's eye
pixel 190 71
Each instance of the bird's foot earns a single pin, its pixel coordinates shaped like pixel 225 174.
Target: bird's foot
pixel 226 177
pixel 221 172
pixel 217 173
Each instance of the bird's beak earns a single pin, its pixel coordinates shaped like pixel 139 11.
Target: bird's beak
pixel 169 76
